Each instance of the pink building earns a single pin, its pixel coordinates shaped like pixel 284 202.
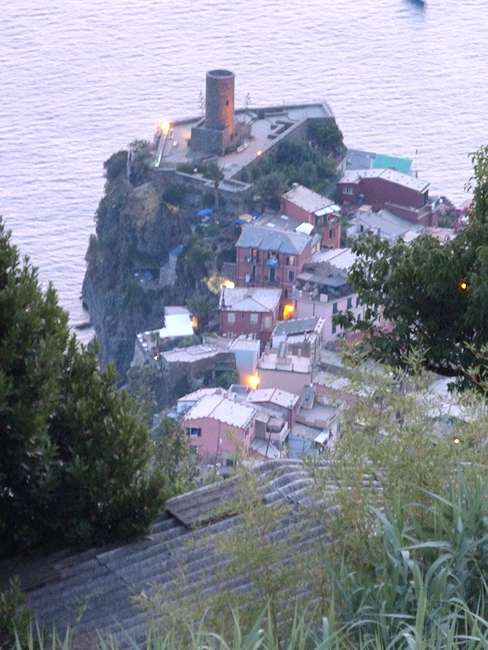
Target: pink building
pixel 285 404
pixel 249 310
pixel 306 205
pixel 402 194
pixel 267 255
pixel 288 372
pixel 220 428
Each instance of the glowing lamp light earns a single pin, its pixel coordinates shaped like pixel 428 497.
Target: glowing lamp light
pixel 253 381
pixel 259 152
pixel 463 285
pixel 288 311
pixel 228 284
pixel 456 441
pixel 164 127
pixel 194 322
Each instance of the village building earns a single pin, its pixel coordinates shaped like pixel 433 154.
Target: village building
pixel 404 195
pixel 221 432
pixel 288 372
pixel 247 350
pixel 317 425
pixel 304 204
pixel 220 429
pixel 249 310
pixel 178 324
pixel 323 291
pixel 384 224
pixel 197 364
pixel 268 255
pixel 282 402
pixel 357 159
pixel 303 336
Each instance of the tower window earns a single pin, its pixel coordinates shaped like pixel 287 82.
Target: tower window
pixel 226 102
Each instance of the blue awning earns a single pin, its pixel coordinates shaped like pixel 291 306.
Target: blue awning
pixel 205 212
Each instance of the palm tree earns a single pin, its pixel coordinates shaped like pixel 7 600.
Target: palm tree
pixel 216 174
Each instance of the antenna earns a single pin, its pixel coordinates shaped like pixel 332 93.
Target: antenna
pixel 201 101
pixel 248 100
pixel 415 163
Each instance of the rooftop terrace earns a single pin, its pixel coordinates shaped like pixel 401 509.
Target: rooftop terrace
pixel 269 125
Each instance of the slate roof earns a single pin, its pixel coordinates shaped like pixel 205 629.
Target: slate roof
pixel 222 409
pixel 267 238
pixel 273 396
pixel 391 175
pixel 250 299
pixel 307 199
pixel 386 224
pixel 94 590
pixel 295 326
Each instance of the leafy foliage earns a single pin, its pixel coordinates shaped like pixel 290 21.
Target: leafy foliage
pixel 116 165
pixel 140 161
pixel 75 464
pixel 174 458
pixel 433 295
pixel 15 616
pixel 312 163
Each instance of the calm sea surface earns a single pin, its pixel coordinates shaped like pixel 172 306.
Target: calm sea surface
pixel 79 79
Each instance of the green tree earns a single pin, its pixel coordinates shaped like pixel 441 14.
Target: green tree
pixel 15 616
pixel 202 305
pixel 216 174
pixel 434 296
pixel 75 463
pixel 116 165
pixel 175 459
pixel 141 160
pixel 195 259
pixel 270 187
pixel 327 136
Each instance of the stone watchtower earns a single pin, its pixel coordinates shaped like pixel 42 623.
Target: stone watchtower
pixel 216 132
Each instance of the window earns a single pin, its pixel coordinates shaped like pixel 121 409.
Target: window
pixel 267 322
pixel 331 233
pixel 291 276
pixel 195 432
pixel 349 303
pixel 334 308
pixel 231 318
pixel 348 190
pixel 358 302
pixel 334 328
pixel 254 319
pixel 255 254
pixel 290 260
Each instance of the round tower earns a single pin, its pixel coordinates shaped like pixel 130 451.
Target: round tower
pixel 219 102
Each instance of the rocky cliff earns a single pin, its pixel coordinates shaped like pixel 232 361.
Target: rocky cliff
pixel 127 283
